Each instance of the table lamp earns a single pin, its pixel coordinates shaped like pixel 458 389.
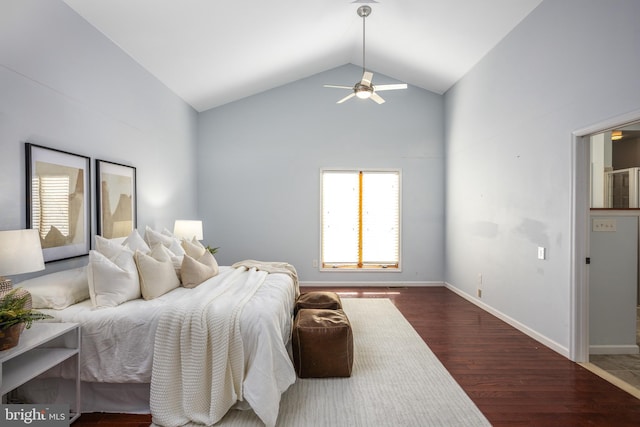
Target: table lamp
pixel 187 229
pixel 20 252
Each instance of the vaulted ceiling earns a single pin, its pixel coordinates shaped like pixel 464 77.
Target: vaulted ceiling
pixel 211 52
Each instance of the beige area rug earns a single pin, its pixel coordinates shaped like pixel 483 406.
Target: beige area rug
pixel 396 381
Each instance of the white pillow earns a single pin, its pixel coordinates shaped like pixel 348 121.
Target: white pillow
pixel 195 271
pixel 168 233
pixel 119 240
pixel 193 248
pixel 154 237
pixel 162 253
pixel 135 242
pixel 58 290
pixel 109 247
pixel 112 280
pixel 156 277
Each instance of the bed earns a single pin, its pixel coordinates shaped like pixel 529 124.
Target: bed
pixel 187 355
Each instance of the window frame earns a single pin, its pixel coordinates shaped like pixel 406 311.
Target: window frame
pixel 369 269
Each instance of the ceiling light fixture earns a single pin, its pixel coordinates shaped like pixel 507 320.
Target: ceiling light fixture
pixel 362 91
pixel 616 135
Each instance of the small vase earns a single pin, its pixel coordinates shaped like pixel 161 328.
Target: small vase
pixel 10 336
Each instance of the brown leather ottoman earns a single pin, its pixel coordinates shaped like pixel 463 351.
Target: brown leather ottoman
pixel 318 299
pixel 322 343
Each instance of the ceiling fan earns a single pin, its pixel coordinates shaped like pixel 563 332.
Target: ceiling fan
pixel 364 88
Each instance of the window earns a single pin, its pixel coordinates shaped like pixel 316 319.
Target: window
pixel 360 219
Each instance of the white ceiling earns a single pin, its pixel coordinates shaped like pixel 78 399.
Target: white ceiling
pixel 211 52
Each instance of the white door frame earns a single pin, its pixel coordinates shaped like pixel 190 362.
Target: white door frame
pixel 579 274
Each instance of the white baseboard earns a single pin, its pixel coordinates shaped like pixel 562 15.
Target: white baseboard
pixel 385 284
pixel 564 351
pixel 614 349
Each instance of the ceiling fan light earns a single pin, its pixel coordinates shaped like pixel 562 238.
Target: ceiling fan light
pixel 363 94
pixel 362 91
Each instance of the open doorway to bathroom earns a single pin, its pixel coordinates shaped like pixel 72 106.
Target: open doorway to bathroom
pixel 614 241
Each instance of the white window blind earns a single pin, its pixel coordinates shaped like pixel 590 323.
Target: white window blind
pixel 380 217
pixel 51 203
pixel 360 219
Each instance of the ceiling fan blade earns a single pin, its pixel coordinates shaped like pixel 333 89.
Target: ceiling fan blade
pixel 391 87
pixel 339 87
pixel 351 95
pixel 377 98
pixel 366 78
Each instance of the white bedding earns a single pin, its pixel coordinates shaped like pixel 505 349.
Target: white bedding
pixel 117 342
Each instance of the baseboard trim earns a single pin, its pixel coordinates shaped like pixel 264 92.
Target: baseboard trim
pixel 564 351
pixel 383 284
pixel 614 349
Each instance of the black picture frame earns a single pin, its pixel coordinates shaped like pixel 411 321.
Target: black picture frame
pixel 116 199
pixel 58 189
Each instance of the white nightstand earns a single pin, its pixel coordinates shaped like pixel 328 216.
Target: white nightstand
pixel 41 347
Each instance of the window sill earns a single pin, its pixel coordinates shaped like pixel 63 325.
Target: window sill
pixel 345 269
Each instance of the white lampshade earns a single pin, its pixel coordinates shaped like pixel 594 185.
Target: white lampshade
pixel 188 229
pixel 20 252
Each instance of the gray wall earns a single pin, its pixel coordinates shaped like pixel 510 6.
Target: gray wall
pixel 509 125
pixel 64 85
pixel 259 161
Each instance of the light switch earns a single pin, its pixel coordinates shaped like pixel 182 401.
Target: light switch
pixel 541 252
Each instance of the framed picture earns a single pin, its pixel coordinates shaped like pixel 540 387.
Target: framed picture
pixel 58 201
pixel 116 199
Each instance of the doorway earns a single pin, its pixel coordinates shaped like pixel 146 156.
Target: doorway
pixel 607 193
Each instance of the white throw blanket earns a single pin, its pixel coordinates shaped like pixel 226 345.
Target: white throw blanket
pixel 272 267
pixel 198 364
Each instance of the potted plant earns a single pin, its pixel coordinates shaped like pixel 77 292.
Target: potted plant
pixel 14 317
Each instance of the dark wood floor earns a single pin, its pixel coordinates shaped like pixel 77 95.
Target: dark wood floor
pixel 513 379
